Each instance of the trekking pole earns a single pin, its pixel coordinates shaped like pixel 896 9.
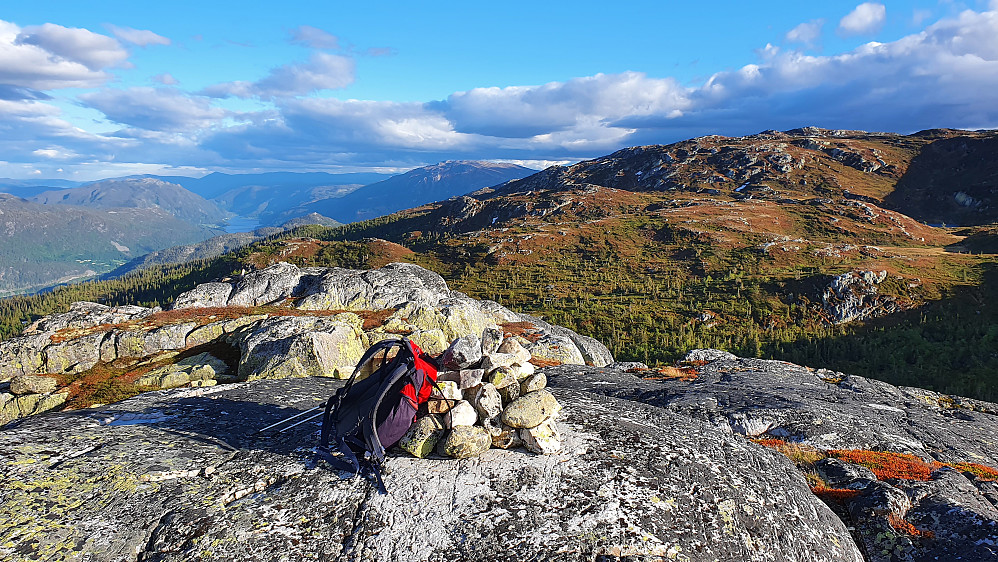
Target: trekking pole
pixel 308 419
pixel 286 420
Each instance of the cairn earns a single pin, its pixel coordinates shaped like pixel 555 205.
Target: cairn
pixel 489 396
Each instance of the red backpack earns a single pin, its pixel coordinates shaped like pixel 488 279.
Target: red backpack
pixel 366 417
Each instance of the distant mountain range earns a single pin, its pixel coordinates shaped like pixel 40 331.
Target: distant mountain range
pixel 417 187
pixel 140 193
pixel 185 216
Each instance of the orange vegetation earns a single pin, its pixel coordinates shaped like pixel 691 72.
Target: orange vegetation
pixel 903 526
pixel 540 362
pixel 982 472
pixel 684 374
pixel 838 495
pixel 889 465
pixel 522 329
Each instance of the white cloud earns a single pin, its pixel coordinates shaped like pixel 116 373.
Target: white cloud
pixel 93 50
pixel 55 57
pixel 525 111
pixel 806 33
pixel 314 37
pixel 865 19
pixel 140 37
pixel 155 109
pixel 322 72
pixel 166 79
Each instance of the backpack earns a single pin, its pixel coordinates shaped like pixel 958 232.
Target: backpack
pixel 366 417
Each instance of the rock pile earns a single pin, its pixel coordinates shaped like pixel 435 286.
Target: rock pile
pixel 489 396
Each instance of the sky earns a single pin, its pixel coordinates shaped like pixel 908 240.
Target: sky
pixel 98 89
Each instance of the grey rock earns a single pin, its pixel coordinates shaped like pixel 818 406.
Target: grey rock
pixel 423 436
pixel 465 441
pixel 853 296
pixel 461 414
pixel 184 476
pixel 487 402
pixel 502 377
pixel 531 410
pixel 627 366
pixel 85 314
pixel 557 348
pixel 533 383
pixel 464 353
pixel 271 285
pixel 509 392
pixel 827 410
pixel 708 355
pixel 288 346
pixel 493 361
pixel 543 439
pixel 491 340
pixel 464 379
pixel 74 355
pixel 506 437
pixel 32 384
pixel 840 474
pixel 22 356
pixel 512 347
pixel 205 295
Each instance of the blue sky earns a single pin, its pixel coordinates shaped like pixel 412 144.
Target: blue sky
pixel 98 89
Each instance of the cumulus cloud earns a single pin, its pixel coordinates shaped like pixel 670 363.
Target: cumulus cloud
pixel 322 72
pixel 51 56
pixel 865 19
pixel 140 37
pixel 806 33
pixel 155 109
pixel 314 37
pixel 519 112
pixel 92 50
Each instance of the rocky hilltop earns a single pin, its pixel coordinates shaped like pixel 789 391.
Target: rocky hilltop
pixel 719 458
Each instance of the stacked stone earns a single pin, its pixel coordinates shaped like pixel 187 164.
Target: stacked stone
pixel 489 396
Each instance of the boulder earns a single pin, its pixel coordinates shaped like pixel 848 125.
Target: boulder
pixel 22 356
pixel 506 437
pixel 492 338
pixel 465 378
pixel 531 410
pixel 16 407
pixel 290 346
pixel 85 314
pixel 205 295
pixel 557 348
pixel 493 361
pixel 74 355
pixel 32 384
pixel 464 353
pixel 533 383
pixel 465 441
pixel 487 402
pixel 502 377
pixel 423 436
pixel 271 285
pixel 512 347
pixel 462 413
pixel 542 439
